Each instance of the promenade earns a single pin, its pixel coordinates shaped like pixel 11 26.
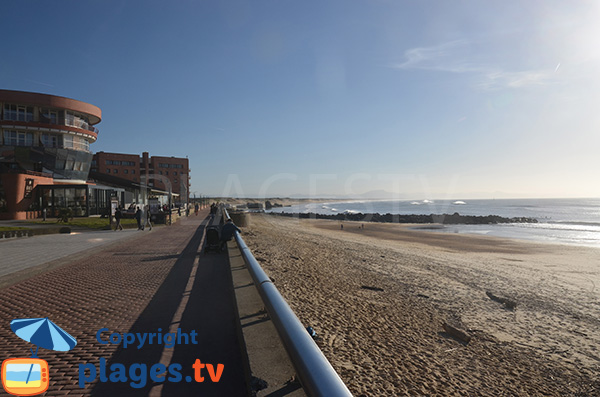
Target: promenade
pixel 127 282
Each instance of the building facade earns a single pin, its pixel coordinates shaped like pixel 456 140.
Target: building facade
pixel 167 174
pixel 44 140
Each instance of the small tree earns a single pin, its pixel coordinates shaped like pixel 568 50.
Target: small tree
pixel 64 214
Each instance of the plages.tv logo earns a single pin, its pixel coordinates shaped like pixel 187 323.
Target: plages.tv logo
pixel 29 376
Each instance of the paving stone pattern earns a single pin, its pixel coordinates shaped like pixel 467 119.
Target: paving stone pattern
pixel 109 289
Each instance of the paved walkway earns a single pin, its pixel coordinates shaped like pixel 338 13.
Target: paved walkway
pixel 155 283
pixel 27 252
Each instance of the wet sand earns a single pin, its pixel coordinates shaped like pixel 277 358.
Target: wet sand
pixel 377 298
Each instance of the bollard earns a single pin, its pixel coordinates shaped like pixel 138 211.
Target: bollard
pixel 241 219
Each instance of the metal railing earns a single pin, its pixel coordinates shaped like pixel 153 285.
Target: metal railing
pixel 317 376
pixel 68 121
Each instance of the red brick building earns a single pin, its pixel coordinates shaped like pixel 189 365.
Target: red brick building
pixel 163 173
pixel 45 153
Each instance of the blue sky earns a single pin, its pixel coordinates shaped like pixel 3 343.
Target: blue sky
pixel 421 99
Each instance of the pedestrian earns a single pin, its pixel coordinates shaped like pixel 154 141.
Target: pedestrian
pixel 118 216
pixel 138 218
pixel 196 207
pixel 44 213
pixel 227 232
pixel 148 217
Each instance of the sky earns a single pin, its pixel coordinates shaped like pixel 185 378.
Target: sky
pixel 367 98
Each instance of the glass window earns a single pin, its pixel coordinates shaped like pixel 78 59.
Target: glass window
pixel 67 141
pixel 69 165
pixel 116 171
pixel 133 171
pixel 18 138
pixel 10 112
pixel 49 116
pixel 49 140
pixel 108 170
pixel 125 171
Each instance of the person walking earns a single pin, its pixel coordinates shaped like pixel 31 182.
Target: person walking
pixel 118 216
pixel 148 217
pixel 138 218
pixel 196 207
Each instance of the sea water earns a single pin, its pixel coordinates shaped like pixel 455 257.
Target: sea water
pixel 564 221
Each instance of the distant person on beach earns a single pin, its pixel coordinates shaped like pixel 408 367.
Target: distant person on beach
pixel 148 217
pixel 138 218
pixel 227 232
pixel 118 216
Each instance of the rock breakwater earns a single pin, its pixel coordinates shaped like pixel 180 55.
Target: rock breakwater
pixel 447 219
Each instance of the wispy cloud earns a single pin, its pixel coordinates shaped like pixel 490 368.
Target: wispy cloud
pixel 39 82
pixel 458 57
pixel 528 78
pixel 445 57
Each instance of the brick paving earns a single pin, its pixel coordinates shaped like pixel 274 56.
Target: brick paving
pixel 135 286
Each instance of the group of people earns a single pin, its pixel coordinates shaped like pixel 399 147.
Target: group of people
pixel 143 218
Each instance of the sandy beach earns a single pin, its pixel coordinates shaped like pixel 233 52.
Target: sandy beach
pixel 377 297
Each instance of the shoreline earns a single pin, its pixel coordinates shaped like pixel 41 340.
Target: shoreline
pixel 377 298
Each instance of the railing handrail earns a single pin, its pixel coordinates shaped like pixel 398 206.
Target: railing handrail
pixel 317 376
pixel 59 122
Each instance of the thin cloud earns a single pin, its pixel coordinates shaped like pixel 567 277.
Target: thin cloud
pixel 445 57
pixel 456 57
pixel 528 78
pixel 39 82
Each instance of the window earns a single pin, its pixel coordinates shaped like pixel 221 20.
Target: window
pixel 49 116
pixel 80 143
pixel 18 112
pixel 125 171
pixel 116 171
pixel 133 171
pixel 77 120
pixel 175 173
pixel 175 181
pixel 18 138
pixel 108 170
pixel 49 140
pixel 67 141
pixel 166 172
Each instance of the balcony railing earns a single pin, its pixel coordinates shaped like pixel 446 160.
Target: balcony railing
pixel 68 121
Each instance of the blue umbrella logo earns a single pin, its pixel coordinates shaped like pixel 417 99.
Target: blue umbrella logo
pixel 43 333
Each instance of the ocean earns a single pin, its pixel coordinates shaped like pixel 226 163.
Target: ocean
pixel 563 221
